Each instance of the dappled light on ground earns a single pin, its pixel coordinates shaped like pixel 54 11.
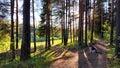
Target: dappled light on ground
pixel 93 60
pixel 61 57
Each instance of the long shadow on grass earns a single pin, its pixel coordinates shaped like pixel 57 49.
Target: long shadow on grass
pixel 41 58
pixel 6 55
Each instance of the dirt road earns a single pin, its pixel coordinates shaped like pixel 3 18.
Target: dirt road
pixel 84 59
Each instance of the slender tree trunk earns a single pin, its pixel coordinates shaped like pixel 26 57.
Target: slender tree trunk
pixel 48 24
pixel 102 11
pixel 70 31
pixel 76 38
pixel 62 30
pixel 89 15
pixel 46 41
pixel 25 47
pixel 52 29
pixel 89 9
pixel 12 49
pixel 80 27
pixel 100 17
pixel 70 23
pixel 112 23
pixel 66 26
pixel 66 14
pixel 92 29
pixel 63 22
pixel 86 16
pixel 34 26
pixel 16 24
pixel 73 22
pixel 62 35
pixel 89 22
pixel 117 49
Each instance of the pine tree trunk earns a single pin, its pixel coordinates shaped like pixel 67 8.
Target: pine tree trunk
pixel 52 29
pixel 25 47
pixel 73 22
pixel 112 23
pixel 16 24
pixel 102 22
pixel 80 27
pixel 63 22
pixel 34 26
pixel 86 16
pixel 117 49
pixel 48 24
pixel 92 29
pixel 89 15
pixel 12 49
pixel 66 26
pixel 70 24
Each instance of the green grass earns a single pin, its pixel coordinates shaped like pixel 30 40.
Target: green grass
pixel 4 46
pixel 113 62
pixel 39 59
pixel 111 52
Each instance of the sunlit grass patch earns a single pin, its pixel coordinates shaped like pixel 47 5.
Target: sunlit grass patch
pixel 41 58
pixel 110 53
pixel 113 61
pixel 4 46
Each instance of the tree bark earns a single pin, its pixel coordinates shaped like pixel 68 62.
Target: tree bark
pixel 48 24
pixel 70 23
pixel 25 47
pixel 80 27
pixel 117 49
pixel 66 27
pixel 92 29
pixel 34 26
pixel 12 49
pixel 86 20
pixel 52 28
pixel 62 23
pixel 16 24
pixel 73 22
pixel 112 23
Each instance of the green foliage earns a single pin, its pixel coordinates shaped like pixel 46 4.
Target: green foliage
pixel 115 63
pixel 106 31
pixel 4 44
pixel 41 30
pixel 36 62
pixel 118 38
pixel 89 36
pixel 44 11
pixel 98 21
pixel 4 36
pixel 4 29
pixel 97 26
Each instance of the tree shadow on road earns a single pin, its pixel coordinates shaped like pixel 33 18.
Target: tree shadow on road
pixel 93 60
